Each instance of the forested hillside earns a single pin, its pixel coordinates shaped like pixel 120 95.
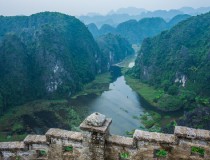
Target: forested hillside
pixel 135 31
pixel 114 48
pixel 178 61
pixel 50 55
pixel 44 55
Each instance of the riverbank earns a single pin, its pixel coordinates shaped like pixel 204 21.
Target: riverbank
pixel 154 118
pixel 155 97
pixel 97 86
pixel 146 91
pixel 40 115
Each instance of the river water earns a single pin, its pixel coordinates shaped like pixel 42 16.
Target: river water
pixel 120 103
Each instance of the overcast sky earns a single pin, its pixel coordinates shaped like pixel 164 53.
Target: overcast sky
pixel 82 7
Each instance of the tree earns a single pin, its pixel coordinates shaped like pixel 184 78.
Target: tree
pixel 1 104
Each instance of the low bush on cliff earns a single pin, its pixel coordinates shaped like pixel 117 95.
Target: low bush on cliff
pixel 197 150
pixel 161 153
pixel 124 155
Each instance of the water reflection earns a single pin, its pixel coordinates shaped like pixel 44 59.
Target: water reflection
pixel 121 104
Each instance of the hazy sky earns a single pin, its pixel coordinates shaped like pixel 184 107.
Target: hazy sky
pixel 79 7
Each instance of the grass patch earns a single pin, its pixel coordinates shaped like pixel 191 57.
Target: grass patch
pixel 161 153
pixel 68 148
pixel 97 86
pixel 130 133
pixel 42 153
pixel 150 94
pixel 151 121
pixel 155 97
pixel 197 150
pixel 124 155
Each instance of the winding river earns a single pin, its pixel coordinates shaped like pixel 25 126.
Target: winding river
pixel 121 104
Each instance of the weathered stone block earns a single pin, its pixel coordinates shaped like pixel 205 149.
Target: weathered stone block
pixel 96 119
pixel 191 133
pixel 12 146
pixel 101 129
pixel 121 141
pixel 63 134
pixel 140 135
pixel 35 139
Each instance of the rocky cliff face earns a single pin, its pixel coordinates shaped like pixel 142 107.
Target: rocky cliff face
pixel 178 62
pixel 114 48
pixel 44 55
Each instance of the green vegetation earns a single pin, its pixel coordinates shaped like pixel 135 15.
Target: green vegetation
pixel 97 86
pixel 151 121
pixel 51 58
pixel 135 31
pixel 114 48
pixel 156 97
pixel 177 63
pixel 147 92
pixel 42 153
pixel 130 133
pixel 198 150
pixel 17 158
pixel 68 148
pixel 10 138
pixel 124 155
pixel 43 114
pixel 161 153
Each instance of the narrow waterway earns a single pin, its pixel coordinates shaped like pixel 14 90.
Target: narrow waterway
pixel 121 104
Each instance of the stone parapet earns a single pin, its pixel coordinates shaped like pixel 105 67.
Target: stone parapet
pixel 97 144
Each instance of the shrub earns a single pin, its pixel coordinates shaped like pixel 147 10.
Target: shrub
pixel 68 148
pixel 42 153
pixel 170 103
pixel 198 150
pixel 124 155
pixel 161 153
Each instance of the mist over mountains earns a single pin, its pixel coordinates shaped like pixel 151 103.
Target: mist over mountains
pixel 113 18
pixel 135 31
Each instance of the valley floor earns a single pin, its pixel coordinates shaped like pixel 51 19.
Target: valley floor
pixel 38 116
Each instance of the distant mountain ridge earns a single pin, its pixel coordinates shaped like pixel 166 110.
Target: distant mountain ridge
pixel 129 10
pixel 135 31
pixel 113 18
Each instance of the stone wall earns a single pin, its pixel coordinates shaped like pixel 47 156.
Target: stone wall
pixel 95 143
